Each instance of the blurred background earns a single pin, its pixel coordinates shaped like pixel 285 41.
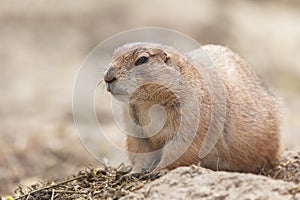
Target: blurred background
pixel 43 43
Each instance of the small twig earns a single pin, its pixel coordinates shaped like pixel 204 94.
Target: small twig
pixel 137 187
pixel 52 196
pixel 120 166
pixel 295 190
pixel 277 173
pixel 28 197
pixel 68 192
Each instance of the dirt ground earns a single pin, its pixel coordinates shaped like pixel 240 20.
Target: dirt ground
pixel 192 182
pixel 43 44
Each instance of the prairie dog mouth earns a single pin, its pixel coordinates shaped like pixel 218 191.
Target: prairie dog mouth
pixel 118 93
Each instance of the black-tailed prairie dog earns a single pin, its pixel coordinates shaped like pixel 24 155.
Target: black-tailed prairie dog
pixel 249 138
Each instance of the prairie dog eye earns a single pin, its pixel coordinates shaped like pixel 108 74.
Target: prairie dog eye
pixel 141 60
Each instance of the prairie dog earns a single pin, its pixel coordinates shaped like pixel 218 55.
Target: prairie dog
pixel 250 136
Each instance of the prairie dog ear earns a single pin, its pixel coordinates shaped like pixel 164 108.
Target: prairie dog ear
pixel 161 53
pixel 166 57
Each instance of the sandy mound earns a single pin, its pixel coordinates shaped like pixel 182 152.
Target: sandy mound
pixel 199 183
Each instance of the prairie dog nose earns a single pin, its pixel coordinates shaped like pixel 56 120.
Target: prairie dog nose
pixel 110 75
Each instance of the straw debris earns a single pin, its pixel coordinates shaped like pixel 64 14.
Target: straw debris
pixel 105 183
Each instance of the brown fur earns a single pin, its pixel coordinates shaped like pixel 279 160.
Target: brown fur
pixel 249 140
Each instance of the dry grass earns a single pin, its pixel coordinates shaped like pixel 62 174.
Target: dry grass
pixel 106 183
pixel 288 169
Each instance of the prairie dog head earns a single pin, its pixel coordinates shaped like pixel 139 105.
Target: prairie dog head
pixel 145 71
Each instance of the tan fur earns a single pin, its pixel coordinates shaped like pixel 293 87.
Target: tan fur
pixel 250 137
